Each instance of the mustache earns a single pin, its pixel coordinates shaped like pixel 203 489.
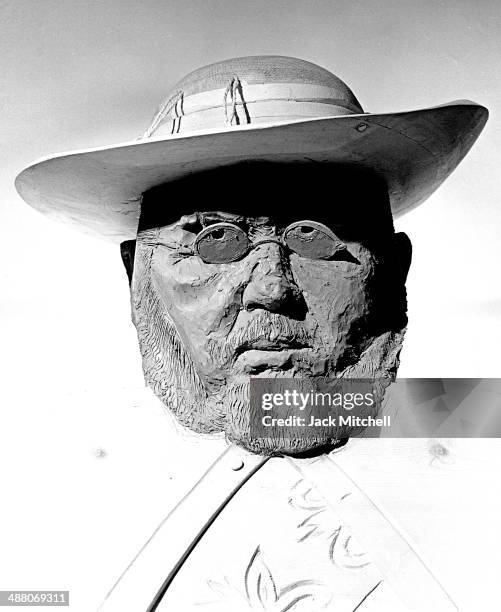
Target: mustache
pixel 266 330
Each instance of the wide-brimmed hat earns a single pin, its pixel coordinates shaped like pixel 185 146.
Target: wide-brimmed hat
pixel 270 108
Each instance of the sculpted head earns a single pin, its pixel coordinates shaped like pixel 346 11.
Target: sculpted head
pixel 241 269
pixel 262 269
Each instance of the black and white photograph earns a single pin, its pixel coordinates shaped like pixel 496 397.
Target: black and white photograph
pixel 251 305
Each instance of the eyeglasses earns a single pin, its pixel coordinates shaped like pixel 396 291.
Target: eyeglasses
pixel 227 242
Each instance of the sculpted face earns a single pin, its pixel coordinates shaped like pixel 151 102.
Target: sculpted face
pixel 279 278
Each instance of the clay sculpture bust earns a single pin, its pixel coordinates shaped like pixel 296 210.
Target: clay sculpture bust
pixel 255 221
pixel 259 205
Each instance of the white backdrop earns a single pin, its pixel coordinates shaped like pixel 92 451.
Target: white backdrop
pixel 89 73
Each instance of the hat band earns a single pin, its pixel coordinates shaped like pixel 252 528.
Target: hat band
pixel 241 104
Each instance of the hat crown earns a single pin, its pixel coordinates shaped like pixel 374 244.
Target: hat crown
pixel 257 89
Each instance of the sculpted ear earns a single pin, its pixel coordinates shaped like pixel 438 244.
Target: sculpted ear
pixel 403 248
pixel 127 251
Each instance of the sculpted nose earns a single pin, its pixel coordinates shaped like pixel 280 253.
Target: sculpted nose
pixel 272 286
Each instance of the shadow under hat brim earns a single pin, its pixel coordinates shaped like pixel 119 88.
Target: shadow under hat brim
pixel 99 190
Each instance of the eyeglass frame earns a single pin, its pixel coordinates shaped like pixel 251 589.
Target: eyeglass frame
pixel 276 240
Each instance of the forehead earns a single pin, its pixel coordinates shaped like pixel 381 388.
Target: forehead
pixel 280 192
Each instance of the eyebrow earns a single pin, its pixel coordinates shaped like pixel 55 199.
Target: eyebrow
pixel 207 218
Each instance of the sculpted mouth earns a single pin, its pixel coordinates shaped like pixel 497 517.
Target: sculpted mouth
pixel 263 344
pixel 258 355
pixel 254 361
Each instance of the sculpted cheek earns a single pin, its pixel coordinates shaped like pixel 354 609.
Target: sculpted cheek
pixel 336 298
pixel 181 281
pixel 223 310
pixel 202 301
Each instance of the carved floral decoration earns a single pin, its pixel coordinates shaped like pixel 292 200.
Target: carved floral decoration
pixel 261 591
pixel 318 522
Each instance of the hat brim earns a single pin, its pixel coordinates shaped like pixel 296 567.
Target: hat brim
pixel 99 189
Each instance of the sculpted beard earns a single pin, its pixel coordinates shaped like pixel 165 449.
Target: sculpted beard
pixel 208 408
